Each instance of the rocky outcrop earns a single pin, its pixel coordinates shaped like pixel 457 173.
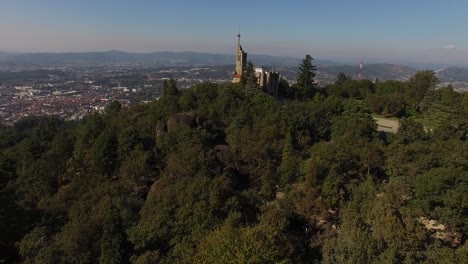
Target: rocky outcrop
pixel 223 154
pixel 156 188
pixel 161 129
pixel 137 116
pixel 440 231
pixel 187 119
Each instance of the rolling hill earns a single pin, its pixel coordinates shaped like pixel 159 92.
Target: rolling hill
pixel 327 70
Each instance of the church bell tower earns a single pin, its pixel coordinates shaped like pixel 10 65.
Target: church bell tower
pixel 241 61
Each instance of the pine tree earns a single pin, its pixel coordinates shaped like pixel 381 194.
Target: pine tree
pixel 342 77
pixel 288 168
pixel 427 101
pixel 112 240
pixel 170 88
pixel 306 74
pixel 420 84
pixel 114 108
pixel 105 153
pixel 250 80
pixel 305 77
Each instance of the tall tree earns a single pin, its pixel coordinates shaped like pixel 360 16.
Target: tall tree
pixel 112 240
pixel 105 153
pixel 419 84
pixel 342 77
pixel 170 87
pixel 306 74
pixel 305 77
pixel 410 131
pixel 249 79
pixel 114 108
pixel 288 169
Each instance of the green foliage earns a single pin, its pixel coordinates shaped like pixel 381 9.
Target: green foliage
pixel 305 78
pixel 419 84
pixel 288 170
pixel 35 247
pixel 114 108
pixel 442 107
pixel 439 192
pixel 200 97
pixel 252 179
pixel 177 215
pixel 112 240
pixel 356 108
pixel 306 74
pixel 260 244
pixel 230 102
pixel 410 131
pixel 391 87
pixel 341 78
pixel 168 103
pixel 389 105
pixel 464 103
pixel 350 88
pixel 105 153
pixel 249 79
pixel 127 140
pixel 284 89
pixel 170 88
pixel 136 166
pixel 310 122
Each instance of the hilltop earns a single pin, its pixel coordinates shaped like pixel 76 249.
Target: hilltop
pixel 225 172
pixel 453 74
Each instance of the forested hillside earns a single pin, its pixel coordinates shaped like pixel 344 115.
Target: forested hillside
pixel 223 173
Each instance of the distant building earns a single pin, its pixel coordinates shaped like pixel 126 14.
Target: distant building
pixel 267 80
pixel 241 62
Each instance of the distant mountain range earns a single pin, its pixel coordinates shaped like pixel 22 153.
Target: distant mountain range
pixel 4 56
pixel 373 71
pixel 327 70
pixel 124 58
pixel 458 77
pixel 453 74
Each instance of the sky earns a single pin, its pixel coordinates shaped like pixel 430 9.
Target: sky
pixel 417 31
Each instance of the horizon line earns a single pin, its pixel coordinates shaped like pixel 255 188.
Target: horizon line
pixel 344 61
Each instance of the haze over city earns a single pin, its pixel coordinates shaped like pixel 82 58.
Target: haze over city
pixel 391 31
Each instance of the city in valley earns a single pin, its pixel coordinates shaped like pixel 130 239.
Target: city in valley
pixel 73 93
pixel 71 90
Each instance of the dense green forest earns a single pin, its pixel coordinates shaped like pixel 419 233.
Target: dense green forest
pixel 224 173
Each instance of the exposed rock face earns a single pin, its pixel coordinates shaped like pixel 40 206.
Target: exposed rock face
pixel 137 116
pixel 431 224
pixel 223 154
pixel 187 119
pixel 156 188
pixel 199 121
pixel 440 231
pixel 161 129
pixel 208 124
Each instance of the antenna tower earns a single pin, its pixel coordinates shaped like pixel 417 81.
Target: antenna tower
pixel 360 71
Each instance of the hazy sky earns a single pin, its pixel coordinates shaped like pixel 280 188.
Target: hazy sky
pixel 433 31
